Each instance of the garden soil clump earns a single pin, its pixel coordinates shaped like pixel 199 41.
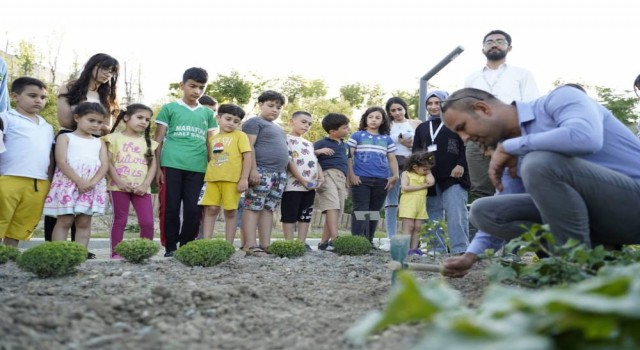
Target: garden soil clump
pixel 244 303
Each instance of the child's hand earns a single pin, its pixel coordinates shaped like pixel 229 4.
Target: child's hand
pixel 326 151
pixel 243 184
pixel 84 186
pixel 355 180
pixel 254 177
pixel 391 181
pixel 140 190
pixel 123 186
pixel 159 178
pixel 319 183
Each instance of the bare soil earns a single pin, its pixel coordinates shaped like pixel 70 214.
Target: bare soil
pixel 244 303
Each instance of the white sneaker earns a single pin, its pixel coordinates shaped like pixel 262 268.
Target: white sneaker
pixel 433 254
pixel 385 246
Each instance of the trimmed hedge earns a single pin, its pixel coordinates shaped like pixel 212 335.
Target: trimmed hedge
pixel 8 253
pixel 288 249
pixel 137 250
pixel 53 259
pixel 205 252
pixel 351 245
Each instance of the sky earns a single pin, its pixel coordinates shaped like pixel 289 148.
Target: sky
pixel 387 42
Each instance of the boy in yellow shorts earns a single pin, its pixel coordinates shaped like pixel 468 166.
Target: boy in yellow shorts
pixel 24 166
pixel 227 173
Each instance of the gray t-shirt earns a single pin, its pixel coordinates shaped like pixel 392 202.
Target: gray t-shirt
pixel 272 153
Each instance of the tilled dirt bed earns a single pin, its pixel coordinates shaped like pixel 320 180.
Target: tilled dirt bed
pixel 244 303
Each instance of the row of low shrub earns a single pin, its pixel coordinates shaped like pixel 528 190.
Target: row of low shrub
pixel 53 259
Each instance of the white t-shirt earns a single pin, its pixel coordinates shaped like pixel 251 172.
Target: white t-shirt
pixel 406 129
pixel 302 154
pixel 28 146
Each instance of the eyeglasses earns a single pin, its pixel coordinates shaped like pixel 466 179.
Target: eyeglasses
pixel 445 104
pixel 108 70
pixel 499 42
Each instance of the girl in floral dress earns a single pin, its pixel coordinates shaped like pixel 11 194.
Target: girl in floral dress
pixel 78 189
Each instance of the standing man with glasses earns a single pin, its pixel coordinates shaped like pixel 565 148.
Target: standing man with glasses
pixel 507 83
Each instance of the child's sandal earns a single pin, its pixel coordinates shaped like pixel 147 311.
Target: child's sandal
pixel 256 251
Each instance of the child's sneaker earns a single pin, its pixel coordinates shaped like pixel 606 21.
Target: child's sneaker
pixel 435 253
pixel 323 245
pixel 330 247
pixel 115 256
pixel 307 247
pixel 416 251
pixel 326 246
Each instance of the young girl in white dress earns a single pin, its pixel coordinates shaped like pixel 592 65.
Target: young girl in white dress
pixel 78 189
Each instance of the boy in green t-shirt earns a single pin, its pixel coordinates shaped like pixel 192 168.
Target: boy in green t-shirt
pixel 227 173
pixel 183 128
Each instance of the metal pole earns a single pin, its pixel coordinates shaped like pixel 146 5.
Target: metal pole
pixel 424 81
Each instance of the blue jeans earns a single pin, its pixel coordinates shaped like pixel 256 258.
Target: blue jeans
pixel 452 204
pixel 391 209
pixel 368 196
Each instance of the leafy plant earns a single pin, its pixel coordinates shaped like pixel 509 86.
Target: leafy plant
pixel 205 252
pixel 351 245
pixel 137 250
pixel 559 264
pixel 600 313
pixel 52 259
pixel 132 228
pixel 433 232
pixel 288 249
pixel 8 253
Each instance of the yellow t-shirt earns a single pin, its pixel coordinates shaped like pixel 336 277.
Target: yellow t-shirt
pixel 226 156
pixel 128 158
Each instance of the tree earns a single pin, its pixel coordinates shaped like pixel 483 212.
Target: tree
pixel 354 94
pixel 314 88
pixel 230 88
pixel 174 90
pixel 127 85
pixel 318 108
pixel 75 67
pixel 621 107
pixel 412 99
pixel 375 95
pixel 52 56
pixel 295 86
pixel 50 110
pixel 292 88
pixel 27 59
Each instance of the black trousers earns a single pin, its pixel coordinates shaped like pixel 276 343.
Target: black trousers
pixel 182 188
pixel 368 196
